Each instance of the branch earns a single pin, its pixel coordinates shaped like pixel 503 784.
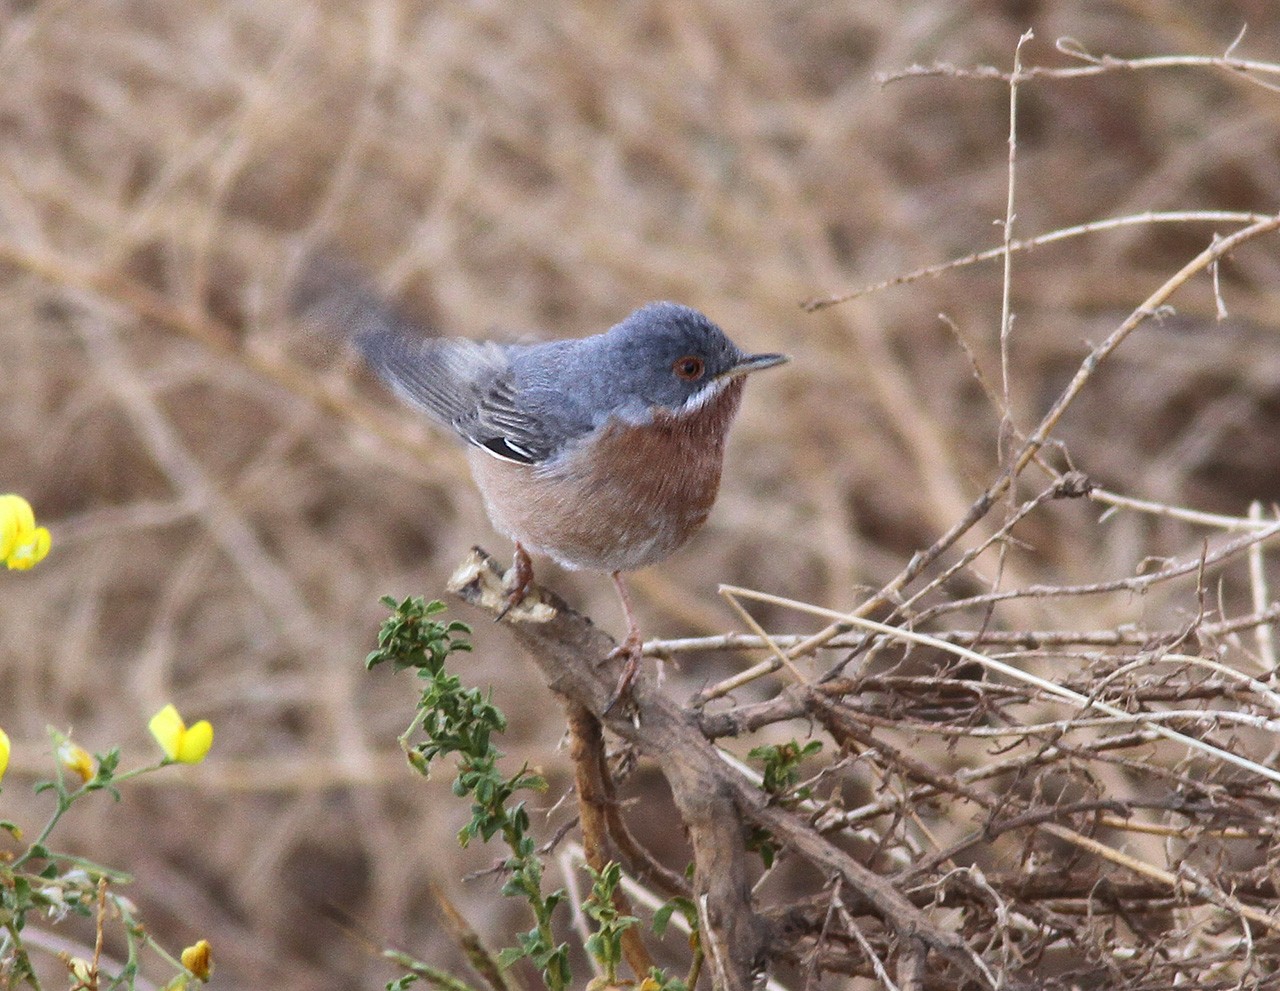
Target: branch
pixel 569 649
pixel 595 797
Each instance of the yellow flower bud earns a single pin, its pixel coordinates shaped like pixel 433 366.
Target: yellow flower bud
pixel 199 959
pixel 76 760
pixel 22 543
pixel 180 743
pixel 4 752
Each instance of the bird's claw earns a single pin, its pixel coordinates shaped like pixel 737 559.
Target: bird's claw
pixel 629 652
pixel 521 576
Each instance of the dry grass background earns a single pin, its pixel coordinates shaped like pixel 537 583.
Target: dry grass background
pixel 228 499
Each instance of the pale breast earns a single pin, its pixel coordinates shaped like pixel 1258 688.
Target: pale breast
pixel 623 499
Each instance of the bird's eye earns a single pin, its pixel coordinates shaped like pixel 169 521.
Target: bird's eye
pixel 689 368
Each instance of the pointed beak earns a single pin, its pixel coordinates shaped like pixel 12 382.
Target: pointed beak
pixel 753 363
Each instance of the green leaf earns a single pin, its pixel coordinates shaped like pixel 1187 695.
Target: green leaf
pixel 108 762
pixel 761 841
pixel 662 917
pixel 782 763
pixel 659 981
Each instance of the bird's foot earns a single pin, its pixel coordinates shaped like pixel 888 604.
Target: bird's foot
pixel 630 651
pixel 520 577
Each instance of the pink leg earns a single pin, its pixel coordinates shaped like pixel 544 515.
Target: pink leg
pixel 521 579
pixel 630 648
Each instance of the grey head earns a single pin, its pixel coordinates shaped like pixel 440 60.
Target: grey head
pixel 531 403
pixel 663 357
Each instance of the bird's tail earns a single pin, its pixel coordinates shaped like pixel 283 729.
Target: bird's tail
pixel 333 296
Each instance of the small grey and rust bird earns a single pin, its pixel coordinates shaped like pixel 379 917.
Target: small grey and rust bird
pixel 602 453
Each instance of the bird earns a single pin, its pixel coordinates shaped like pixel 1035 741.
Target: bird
pixel 603 453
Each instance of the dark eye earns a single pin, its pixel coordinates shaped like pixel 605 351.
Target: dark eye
pixel 689 368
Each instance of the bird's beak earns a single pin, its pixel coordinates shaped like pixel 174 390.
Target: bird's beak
pixel 753 363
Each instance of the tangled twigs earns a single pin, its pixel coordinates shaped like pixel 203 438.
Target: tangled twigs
pixel 1037 439
pixel 717 805
pixel 1026 795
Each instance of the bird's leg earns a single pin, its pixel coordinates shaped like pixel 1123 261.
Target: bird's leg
pixel 630 648
pixel 521 579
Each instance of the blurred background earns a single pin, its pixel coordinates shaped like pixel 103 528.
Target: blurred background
pixel 229 494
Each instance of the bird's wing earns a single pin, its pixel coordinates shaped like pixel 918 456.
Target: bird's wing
pixel 467 386
pixel 472 388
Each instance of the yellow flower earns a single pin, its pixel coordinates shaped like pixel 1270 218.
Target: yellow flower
pixel 199 959
pixel 4 752
pixel 22 543
pixel 180 743
pixel 76 760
